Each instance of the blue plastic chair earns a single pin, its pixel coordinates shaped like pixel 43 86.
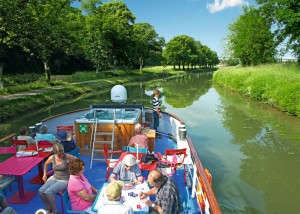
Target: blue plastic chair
pixel 74 152
pixel 67 204
pixel 141 150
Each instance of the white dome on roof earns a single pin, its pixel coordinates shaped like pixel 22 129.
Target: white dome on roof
pixel 118 94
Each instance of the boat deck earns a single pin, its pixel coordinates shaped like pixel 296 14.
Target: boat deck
pixel 97 178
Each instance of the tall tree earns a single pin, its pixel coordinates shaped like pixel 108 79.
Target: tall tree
pixel 116 28
pixel 284 13
pixel 146 41
pixel 47 31
pixel 250 38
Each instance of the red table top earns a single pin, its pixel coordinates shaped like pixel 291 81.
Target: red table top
pixel 19 166
pixel 41 153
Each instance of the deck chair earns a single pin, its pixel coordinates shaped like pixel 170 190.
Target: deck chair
pixel 67 204
pixel 172 159
pixel 68 129
pixel 6 180
pixel 74 152
pixel 111 162
pixel 20 144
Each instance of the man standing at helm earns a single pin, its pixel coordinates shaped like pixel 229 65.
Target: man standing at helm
pixel 156 109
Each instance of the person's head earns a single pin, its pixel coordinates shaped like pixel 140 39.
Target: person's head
pixel 76 167
pixel 58 150
pixel 114 190
pixel 43 129
pixel 23 130
pixel 156 92
pixel 138 128
pixel 156 178
pixel 129 161
pixel 61 135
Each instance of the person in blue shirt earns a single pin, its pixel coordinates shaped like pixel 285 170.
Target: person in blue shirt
pixel 68 145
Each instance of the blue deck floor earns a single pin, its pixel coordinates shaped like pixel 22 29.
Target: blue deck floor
pixel 97 177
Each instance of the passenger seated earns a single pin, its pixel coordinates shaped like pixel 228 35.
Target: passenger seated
pixel 44 135
pixel 127 170
pixel 4 208
pixel 24 136
pixel 62 135
pixel 139 140
pixel 79 188
pixel 114 204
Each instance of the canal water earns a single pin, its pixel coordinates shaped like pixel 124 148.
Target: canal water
pixel 251 149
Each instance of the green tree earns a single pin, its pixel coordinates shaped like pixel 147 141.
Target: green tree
pixel 285 14
pixel 47 32
pixel 146 42
pixel 116 28
pixel 250 38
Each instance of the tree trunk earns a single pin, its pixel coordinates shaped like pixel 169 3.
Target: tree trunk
pixel 141 63
pixel 47 70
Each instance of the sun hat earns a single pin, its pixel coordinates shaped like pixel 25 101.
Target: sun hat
pixel 114 190
pixel 137 128
pixel 129 160
pixel 61 135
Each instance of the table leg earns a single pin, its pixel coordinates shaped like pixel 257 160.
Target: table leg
pixel 39 178
pixel 22 197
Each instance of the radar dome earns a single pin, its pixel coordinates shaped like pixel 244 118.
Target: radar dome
pixel 118 94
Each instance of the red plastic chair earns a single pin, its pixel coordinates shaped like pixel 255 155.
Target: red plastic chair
pixel 18 143
pixel 68 129
pixel 45 142
pixel 171 160
pixel 8 150
pixel 110 161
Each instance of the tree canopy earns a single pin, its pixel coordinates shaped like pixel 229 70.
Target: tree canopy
pixel 250 38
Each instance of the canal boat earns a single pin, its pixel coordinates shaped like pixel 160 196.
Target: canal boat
pixel 113 125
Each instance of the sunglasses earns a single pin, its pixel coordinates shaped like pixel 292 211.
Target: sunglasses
pixel 128 166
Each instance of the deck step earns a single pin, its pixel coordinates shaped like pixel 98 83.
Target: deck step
pixel 103 134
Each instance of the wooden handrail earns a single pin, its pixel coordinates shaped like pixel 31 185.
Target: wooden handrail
pixel 9 137
pixel 213 203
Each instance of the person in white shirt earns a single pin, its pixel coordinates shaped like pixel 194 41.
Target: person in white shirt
pixel 24 136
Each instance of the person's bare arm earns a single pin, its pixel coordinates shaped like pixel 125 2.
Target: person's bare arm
pixel 47 163
pixel 112 178
pixel 86 196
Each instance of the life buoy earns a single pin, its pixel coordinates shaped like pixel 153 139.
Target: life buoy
pixel 201 197
pixel 208 175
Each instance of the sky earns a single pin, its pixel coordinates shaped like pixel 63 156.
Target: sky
pixel 206 21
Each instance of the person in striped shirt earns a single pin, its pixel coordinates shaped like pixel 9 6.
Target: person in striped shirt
pixel 156 109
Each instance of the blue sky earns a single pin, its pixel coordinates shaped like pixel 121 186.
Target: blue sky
pixel 206 21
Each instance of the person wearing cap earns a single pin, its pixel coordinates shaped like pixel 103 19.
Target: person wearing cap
pixel 139 140
pixel 114 205
pixel 167 200
pixel 127 170
pixel 79 188
pixel 59 180
pixel 44 135
pixel 62 135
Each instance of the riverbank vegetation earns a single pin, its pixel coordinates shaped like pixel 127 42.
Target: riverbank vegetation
pixel 58 37
pixel 13 107
pixel 275 84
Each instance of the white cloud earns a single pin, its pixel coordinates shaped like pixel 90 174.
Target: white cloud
pixel 217 6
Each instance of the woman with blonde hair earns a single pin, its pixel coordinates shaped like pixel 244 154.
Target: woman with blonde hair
pixel 59 180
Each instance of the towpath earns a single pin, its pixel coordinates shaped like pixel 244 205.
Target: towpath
pixel 38 91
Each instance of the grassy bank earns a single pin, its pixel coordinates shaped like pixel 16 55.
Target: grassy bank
pixel 276 84
pixel 14 107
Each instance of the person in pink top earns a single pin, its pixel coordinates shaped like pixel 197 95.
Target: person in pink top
pixel 82 194
pixel 139 140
